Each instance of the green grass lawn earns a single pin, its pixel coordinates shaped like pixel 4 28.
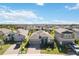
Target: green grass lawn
pixel 51 51
pixel 4 48
pixel 23 49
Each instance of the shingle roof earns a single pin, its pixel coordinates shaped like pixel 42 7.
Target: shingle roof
pixel 60 30
pixel 5 30
pixel 41 33
pixel 22 32
pixel 75 29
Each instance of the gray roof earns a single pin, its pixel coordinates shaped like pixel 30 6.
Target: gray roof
pixel 75 29
pixel 22 32
pixel 5 31
pixel 41 33
pixel 60 30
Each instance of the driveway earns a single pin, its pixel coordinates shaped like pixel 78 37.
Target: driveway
pixel 11 50
pixel 33 49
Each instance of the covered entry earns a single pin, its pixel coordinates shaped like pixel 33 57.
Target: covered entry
pixel 38 38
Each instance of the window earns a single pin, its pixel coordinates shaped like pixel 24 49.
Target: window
pixel 67 36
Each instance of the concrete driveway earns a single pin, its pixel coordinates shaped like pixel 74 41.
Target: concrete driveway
pixel 11 50
pixel 33 49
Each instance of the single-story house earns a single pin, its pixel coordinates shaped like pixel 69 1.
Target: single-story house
pixel 40 37
pixel 20 35
pixel 5 32
pixel 64 36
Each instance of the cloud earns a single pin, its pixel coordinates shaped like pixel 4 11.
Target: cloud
pixel 8 15
pixel 75 7
pixel 40 4
pixel 22 16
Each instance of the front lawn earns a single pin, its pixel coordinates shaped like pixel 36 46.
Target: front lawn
pixel 23 48
pixel 4 48
pixel 51 51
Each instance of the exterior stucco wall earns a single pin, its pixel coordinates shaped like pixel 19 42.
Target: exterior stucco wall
pixel 76 35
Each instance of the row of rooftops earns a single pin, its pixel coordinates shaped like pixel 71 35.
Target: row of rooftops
pixel 6 31
pixel 25 32
pixel 40 26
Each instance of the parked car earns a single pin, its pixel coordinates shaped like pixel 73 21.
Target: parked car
pixel 75 48
pixel 18 45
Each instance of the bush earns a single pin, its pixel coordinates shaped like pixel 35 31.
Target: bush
pixel 77 41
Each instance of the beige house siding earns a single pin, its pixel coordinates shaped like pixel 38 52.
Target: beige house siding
pixel 76 33
pixel 61 36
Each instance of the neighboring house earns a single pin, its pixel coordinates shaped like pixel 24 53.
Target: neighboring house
pixel 76 33
pixel 5 32
pixel 64 36
pixel 20 35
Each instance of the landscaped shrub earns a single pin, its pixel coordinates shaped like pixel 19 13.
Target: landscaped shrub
pixel 77 41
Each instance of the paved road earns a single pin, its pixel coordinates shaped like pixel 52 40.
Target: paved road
pixel 11 50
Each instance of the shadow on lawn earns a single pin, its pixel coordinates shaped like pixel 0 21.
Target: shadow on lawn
pixel 60 48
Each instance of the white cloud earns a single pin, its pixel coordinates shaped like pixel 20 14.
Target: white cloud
pixel 75 7
pixel 40 4
pixel 21 16
pixel 8 15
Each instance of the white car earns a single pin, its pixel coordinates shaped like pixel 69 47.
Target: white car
pixel 76 46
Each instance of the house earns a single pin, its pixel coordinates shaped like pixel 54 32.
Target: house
pixel 5 32
pixel 20 35
pixel 40 38
pixel 64 36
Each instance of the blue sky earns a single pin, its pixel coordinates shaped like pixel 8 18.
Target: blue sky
pixel 34 13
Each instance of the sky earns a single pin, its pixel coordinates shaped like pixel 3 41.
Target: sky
pixel 39 13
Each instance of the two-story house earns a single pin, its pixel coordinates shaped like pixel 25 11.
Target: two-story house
pixel 64 36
